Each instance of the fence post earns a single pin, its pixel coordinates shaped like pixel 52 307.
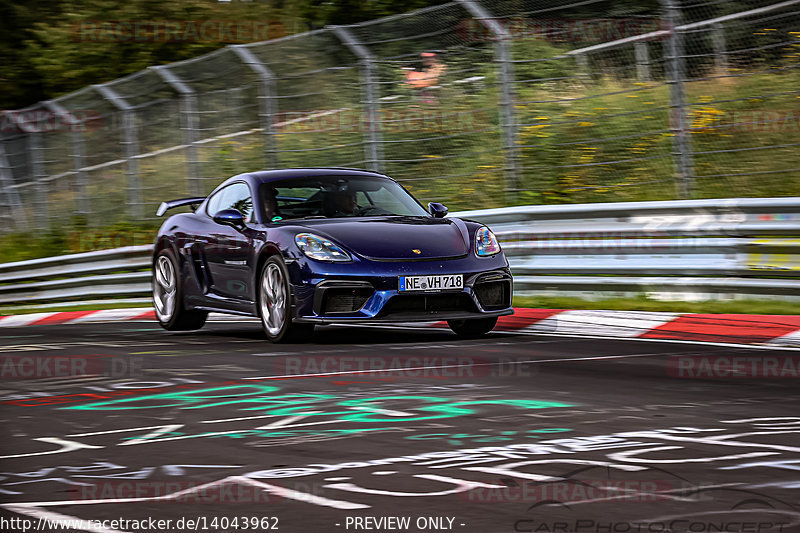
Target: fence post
pixel 642 61
pixel 720 49
pixel 502 51
pixel 11 193
pixel 130 140
pixel 190 119
pixel 266 96
pixel 679 120
pixel 39 173
pixel 582 65
pixel 372 148
pixel 78 154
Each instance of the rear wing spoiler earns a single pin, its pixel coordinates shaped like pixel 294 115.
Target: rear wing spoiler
pixel 166 206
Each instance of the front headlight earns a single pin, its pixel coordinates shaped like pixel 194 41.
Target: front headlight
pixel 320 248
pixel 485 242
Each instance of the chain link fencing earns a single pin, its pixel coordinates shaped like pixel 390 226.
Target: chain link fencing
pixel 477 104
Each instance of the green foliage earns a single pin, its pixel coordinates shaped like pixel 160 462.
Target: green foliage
pixel 35 245
pixel 20 82
pixel 47 52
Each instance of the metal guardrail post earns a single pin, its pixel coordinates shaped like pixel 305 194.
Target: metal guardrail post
pixel 642 61
pixel 266 96
pixel 11 193
pixel 502 50
pixel 78 144
pixel 372 148
pixel 679 120
pixel 130 140
pixel 190 119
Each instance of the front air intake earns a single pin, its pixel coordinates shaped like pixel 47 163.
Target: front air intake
pixel 344 300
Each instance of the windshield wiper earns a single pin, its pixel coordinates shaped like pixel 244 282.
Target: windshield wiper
pixel 307 217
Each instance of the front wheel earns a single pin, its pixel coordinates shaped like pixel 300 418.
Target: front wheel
pixel 472 327
pixel 168 296
pixel 275 304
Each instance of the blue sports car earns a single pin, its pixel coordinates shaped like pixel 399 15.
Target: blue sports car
pixel 307 246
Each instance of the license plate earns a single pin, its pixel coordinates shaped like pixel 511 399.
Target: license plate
pixel 431 283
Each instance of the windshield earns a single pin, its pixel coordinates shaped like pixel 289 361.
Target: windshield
pixel 336 196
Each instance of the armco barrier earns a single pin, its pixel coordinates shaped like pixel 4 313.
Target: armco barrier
pixel 679 250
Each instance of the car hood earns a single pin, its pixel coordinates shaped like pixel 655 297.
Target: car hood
pixel 398 238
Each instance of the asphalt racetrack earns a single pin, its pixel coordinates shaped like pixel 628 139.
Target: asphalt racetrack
pixel 126 427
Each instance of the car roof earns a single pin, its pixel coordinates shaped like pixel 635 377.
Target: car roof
pixel 265 176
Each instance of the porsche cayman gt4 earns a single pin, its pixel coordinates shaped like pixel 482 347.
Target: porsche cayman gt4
pixel 301 247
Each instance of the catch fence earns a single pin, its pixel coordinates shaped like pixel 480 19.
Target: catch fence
pixel 477 104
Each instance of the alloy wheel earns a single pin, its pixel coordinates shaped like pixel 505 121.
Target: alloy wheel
pixel 164 288
pixel 273 299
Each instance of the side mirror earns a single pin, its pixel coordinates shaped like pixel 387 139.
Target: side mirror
pixel 230 217
pixel 437 210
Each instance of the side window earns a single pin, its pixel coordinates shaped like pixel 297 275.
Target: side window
pixel 212 207
pixel 235 196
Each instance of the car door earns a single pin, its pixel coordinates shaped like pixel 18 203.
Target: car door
pixel 227 250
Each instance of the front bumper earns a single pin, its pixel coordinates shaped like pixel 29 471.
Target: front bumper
pixel 374 297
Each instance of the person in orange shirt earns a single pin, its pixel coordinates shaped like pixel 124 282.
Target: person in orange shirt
pixel 426 77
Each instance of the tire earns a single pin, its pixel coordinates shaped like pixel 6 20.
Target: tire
pixel 472 327
pixel 275 304
pixel 171 313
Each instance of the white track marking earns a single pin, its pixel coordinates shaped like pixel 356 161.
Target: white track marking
pixel 471 365
pixel 66 446
pixel 93 433
pixel 109 315
pixel 612 323
pixel 675 341
pixel 22 320
pixel 790 339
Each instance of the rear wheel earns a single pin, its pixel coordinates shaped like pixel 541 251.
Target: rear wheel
pixel 275 304
pixel 472 327
pixel 168 296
